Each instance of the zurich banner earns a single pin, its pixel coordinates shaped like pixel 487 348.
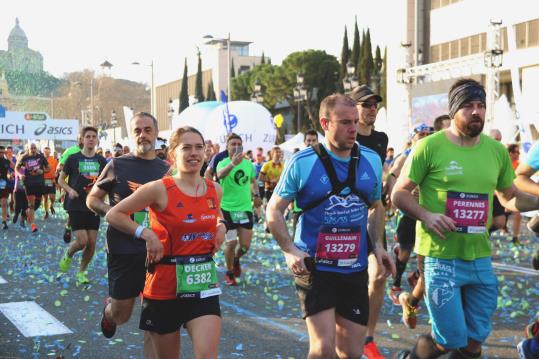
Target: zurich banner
pixel 36 126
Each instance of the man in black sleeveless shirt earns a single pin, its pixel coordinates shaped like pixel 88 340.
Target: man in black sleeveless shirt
pixel 367 105
pixel 126 256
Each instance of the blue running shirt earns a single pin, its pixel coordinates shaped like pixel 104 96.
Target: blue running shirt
pixel 305 179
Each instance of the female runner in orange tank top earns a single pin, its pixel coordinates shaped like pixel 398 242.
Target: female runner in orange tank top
pixel 185 231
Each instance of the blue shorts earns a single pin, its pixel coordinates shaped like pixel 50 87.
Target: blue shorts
pixel 461 298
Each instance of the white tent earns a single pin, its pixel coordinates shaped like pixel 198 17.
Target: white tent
pixel 195 116
pixel 295 142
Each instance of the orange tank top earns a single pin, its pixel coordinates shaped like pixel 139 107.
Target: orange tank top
pixel 186 227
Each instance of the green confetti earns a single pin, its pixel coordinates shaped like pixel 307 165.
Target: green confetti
pixel 63 293
pixel 57 303
pixel 395 336
pixel 86 298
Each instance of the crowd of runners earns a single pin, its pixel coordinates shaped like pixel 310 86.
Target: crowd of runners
pixel 170 210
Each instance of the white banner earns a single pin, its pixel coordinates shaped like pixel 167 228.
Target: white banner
pixel 36 126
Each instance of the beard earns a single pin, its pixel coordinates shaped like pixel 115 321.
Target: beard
pixel 144 147
pixel 473 127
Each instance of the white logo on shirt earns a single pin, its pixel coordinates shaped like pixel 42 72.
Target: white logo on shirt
pixel 324 179
pixel 365 177
pixel 454 169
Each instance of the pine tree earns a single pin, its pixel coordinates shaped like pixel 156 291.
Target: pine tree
pixel 199 94
pixel 355 47
pixel 345 54
pixel 184 95
pixel 210 93
pixel 263 60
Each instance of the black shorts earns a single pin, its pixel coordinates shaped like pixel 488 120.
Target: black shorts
pixel 168 316
pixel 127 275
pixel 231 225
pixel 267 194
pixel 406 232
pixel 497 208
pixel 83 220
pixel 49 189
pixel 34 190
pixel 347 293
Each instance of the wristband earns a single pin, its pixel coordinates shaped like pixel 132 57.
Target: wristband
pixel 138 232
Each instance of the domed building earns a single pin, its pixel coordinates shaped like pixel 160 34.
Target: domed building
pixel 19 57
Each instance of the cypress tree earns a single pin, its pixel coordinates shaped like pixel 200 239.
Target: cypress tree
pixel 199 94
pixel 377 71
pixel 210 93
pixel 360 68
pixel 383 79
pixel 355 47
pixel 369 61
pixel 184 95
pixel 263 60
pixel 345 54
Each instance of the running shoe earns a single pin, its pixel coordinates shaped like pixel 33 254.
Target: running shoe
pixel 532 330
pixel 15 218
pixel 413 277
pixel 533 224
pixel 236 269
pixel 34 228
pixel 4 225
pixel 108 327
pixel 46 216
pixel 409 313
pixel 371 351
pixel 230 280
pixel 535 260
pixel 67 234
pixel 65 262
pixel 524 351
pixel 394 294
pixel 515 240
pixel 82 278
pixel 53 212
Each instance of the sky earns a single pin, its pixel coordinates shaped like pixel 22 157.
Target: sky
pixel 73 35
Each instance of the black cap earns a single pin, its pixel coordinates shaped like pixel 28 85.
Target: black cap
pixel 363 92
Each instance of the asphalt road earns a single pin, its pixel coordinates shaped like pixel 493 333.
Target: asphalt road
pixel 261 317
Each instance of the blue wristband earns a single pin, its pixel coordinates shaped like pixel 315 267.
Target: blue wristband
pixel 138 232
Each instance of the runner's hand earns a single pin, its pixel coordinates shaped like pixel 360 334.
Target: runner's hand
pixel 237 158
pixel 154 247
pixel 220 233
pixel 295 261
pixel 385 262
pixel 439 223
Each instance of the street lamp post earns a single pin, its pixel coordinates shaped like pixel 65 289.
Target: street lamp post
pixel 170 113
pixel 152 89
pixel 493 59
pixel 350 81
pixel 113 124
pixel 300 94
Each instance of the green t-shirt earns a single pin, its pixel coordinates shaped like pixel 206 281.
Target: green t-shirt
pixel 71 150
pixel 459 182
pixel 237 186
